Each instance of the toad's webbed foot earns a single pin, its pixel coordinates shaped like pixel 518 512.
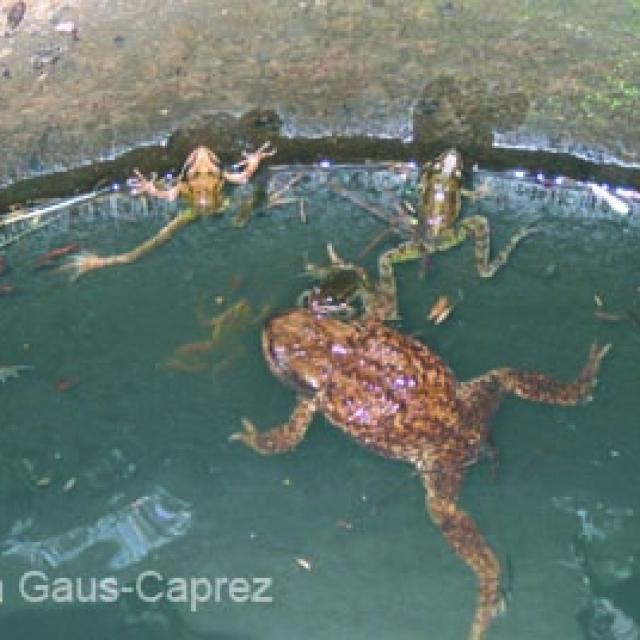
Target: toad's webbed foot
pixel 279 439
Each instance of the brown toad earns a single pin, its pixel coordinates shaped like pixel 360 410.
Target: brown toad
pixel 394 395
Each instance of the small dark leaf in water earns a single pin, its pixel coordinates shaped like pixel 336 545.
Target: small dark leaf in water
pixel 16 13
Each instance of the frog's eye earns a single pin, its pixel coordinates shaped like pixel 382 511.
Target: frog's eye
pixel 426 167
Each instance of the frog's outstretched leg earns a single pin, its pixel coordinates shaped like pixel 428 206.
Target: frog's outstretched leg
pixel 479 227
pixel 222 365
pixel 404 252
pixel 189 358
pixel 538 387
pixel 84 262
pixel 279 439
pixel 442 479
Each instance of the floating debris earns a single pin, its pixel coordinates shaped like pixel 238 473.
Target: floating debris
pixel 69 484
pixel 601 313
pixel 69 27
pixel 616 204
pixel 441 310
pixel 64 384
pixel 7 289
pixel 49 258
pixel 12 371
pixel 606 316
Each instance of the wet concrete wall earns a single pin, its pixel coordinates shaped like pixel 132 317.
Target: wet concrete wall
pixel 85 80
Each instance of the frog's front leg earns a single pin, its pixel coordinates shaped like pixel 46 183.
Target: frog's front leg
pixel 249 164
pixel 279 439
pixel 478 226
pixel 148 187
pixel 442 479
pixel 86 261
pixel 404 252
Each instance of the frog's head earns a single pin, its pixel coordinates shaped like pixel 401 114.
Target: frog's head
pixel 448 164
pixel 298 346
pixel 440 188
pixel 200 161
pixel 336 291
pixel 201 180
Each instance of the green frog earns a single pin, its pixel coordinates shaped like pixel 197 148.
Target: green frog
pixel 345 288
pixel 200 184
pixel 226 341
pixel 438 226
pixel 393 395
pixel 341 285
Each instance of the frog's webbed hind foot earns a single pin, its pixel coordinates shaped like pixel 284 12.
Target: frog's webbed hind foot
pixel 460 531
pixel 82 263
pixel 538 387
pixel 279 439
pixel 479 227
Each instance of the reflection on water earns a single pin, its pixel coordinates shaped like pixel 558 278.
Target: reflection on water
pixel 132 532
pixel 389 574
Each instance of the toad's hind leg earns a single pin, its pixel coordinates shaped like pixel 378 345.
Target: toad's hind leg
pixel 442 483
pixel 479 227
pixel 279 439
pixel 538 387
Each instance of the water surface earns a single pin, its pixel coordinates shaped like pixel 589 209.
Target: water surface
pixel 129 430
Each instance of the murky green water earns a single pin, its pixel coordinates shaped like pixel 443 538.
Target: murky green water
pixel 147 452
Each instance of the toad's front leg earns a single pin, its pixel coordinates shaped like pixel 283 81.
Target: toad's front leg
pixel 442 479
pixel 279 439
